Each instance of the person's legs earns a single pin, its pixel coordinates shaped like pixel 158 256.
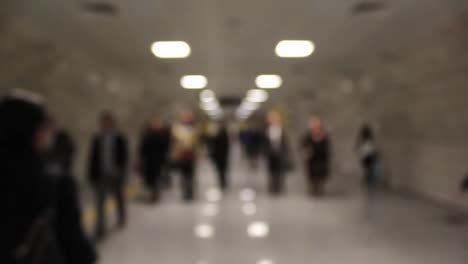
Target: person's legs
pixel 188 179
pixel 275 175
pixel 100 196
pixel 119 194
pixel 166 180
pixel 222 177
pixel 156 184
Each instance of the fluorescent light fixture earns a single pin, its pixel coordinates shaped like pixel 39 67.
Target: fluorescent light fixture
pixel 257 95
pixel 171 49
pixel 204 231
pixel 194 81
pixel 216 112
pixel 213 195
pixel 207 96
pixel 210 106
pixel 249 209
pixel 247 195
pixel 248 105
pixel 269 81
pixel 295 48
pixel 265 261
pixel 243 113
pixel 258 229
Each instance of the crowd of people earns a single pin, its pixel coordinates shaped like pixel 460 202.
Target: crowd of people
pixel 43 223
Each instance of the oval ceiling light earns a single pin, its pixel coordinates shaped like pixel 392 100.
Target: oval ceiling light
pixel 194 82
pixel 248 105
pixel 295 48
pixel 269 81
pixel 210 106
pixel 257 95
pixel 207 96
pixel 171 49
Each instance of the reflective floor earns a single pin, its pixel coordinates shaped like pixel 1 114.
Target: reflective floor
pixel 246 226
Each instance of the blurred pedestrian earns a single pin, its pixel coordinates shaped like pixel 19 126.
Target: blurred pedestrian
pixel 42 224
pixel 276 150
pixel 184 151
pixel 219 146
pixel 108 162
pixel 369 156
pixel 61 150
pixel 316 151
pixel 153 151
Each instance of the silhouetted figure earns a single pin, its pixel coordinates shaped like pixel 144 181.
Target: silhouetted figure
pixel 219 152
pixel 316 150
pixel 464 184
pixel 41 224
pixel 75 246
pixel 107 170
pixel 154 150
pixel 184 148
pixel 369 156
pixel 60 152
pixel 253 146
pixel 277 152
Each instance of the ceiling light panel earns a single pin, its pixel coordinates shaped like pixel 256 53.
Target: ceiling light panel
pixel 269 81
pixel 194 82
pixel 295 48
pixel 171 49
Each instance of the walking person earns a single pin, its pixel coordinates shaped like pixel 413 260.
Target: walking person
pixel 42 225
pixel 316 151
pixel 184 152
pixel 369 157
pixel 276 151
pixel 219 146
pixel 153 151
pixel 107 170
pixel 60 152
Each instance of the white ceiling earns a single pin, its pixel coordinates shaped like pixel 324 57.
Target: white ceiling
pixel 232 41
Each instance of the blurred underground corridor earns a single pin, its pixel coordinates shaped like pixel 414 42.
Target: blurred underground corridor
pixel 215 131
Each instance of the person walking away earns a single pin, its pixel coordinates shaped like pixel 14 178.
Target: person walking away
pixel 276 151
pixel 184 152
pixel 153 155
pixel 219 146
pixel 316 151
pixel 61 150
pixel 58 157
pixel 107 170
pixel 369 156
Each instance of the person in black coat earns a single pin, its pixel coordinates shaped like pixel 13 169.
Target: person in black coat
pixel 316 150
pixel 219 152
pixel 276 149
pixel 26 191
pixel 154 152
pixel 107 168
pixel 75 245
pixel 61 150
pixel 43 220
